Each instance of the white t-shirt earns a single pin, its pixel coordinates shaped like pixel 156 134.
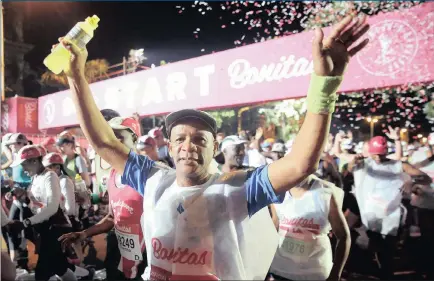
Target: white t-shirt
pixel 68 203
pixel 256 159
pixel 206 232
pixel 45 193
pixel 378 193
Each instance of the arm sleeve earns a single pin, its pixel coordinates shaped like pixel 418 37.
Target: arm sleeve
pixel 52 192
pixel 80 163
pixel 259 191
pixel 136 172
pixel 67 189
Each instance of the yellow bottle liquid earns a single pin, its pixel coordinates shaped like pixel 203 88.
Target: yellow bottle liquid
pixel 80 35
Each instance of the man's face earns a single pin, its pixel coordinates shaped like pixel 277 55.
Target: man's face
pixel 234 155
pixel 30 167
pixel 365 150
pixel 67 148
pixel 55 168
pixel 159 138
pixel 192 148
pixel 379 158
pixel 15 147
pixel 220 137
pixel 125 137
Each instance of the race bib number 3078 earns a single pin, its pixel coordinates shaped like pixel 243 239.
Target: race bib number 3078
pixel 296 247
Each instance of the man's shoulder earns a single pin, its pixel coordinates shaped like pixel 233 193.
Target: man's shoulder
pixel 232 178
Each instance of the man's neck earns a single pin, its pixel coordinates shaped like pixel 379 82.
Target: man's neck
pixel 187 182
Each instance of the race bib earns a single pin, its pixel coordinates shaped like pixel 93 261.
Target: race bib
pixel 129 245
pixel 295 247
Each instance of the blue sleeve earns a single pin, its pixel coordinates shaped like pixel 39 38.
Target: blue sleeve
pixel 259 191
pixel 136 171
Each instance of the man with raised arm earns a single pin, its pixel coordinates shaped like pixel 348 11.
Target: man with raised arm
pixel 203 226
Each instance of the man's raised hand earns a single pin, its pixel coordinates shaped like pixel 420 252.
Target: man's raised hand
pixel 332 54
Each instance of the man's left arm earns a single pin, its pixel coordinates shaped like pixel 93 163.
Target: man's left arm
pixel 330 58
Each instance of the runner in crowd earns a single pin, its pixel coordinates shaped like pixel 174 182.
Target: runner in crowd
pixel 48 219
pixel 307 215
pixel 147 146
pixel 19 209
pixel 422 199
pixel 126 208
pixel 183 207
pixel 378 189
pixel 54 162
pixel 74 165
pixel 6 157
pixel 8 272
pixel 163 148
pixel 233 151
pixel 50 145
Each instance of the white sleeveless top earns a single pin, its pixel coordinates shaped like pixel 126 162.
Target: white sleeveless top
pixel 204 232
pixel 378 190
pixel 304 251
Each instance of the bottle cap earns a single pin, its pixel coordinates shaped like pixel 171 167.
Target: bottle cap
pixel 78 177
pixel 93 21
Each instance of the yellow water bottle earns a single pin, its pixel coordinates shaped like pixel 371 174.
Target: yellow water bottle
pixel 80 35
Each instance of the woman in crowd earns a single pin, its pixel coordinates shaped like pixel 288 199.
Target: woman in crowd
pixel 49 219
pixel 54 162
pixel 306 216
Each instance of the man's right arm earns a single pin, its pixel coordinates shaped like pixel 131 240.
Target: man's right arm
pixel 104 226
pixel 94 126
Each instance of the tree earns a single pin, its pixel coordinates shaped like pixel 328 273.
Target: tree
pixel 286 115
pixel 94 69
pixel 223 117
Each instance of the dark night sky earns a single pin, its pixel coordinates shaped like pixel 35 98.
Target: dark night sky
pixel 155 26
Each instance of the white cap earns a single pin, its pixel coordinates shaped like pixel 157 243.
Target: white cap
pixel 17 138
pixel 231 140
pixel 278 147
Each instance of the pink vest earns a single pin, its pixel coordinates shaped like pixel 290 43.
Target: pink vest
pixel 127 208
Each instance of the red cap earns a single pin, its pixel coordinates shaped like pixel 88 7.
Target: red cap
pixel 378 146
pixel 49 141
pixel 51 159
pixel 156 132
pixel 144 141
pixel 26 153
pixel 119 123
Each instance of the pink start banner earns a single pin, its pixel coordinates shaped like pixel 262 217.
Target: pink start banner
pixel 401 51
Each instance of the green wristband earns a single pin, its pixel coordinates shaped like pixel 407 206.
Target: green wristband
pixel 95 199
pixel 322 97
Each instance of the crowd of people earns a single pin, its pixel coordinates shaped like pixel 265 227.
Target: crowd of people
pixel 186 202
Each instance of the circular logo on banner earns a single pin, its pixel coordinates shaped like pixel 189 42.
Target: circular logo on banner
pixel 49 110
pixel 393 44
